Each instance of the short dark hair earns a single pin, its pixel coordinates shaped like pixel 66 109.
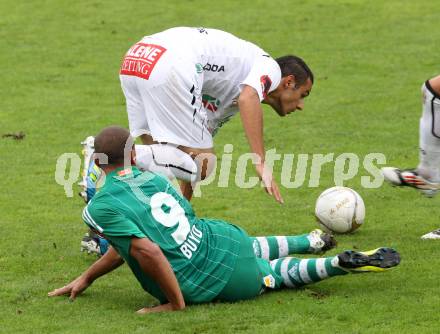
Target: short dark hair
pixel 113 141
pixel 293 65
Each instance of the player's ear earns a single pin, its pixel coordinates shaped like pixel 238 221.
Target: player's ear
pixel 288 81
pixel 101 159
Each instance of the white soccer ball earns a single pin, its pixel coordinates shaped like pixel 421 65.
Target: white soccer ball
pixel 340 210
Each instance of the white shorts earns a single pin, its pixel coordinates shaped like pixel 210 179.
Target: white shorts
pixel 163 95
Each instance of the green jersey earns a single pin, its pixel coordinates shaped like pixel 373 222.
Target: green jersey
pixel 202 252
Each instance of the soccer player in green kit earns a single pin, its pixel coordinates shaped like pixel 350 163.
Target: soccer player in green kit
pixel 181 259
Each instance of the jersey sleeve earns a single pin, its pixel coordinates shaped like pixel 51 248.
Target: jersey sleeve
pixel 110 223
pixel 264 77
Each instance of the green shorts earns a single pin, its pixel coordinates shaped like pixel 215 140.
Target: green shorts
pixel 246 281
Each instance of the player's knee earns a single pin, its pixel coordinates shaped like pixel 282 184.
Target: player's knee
pixel 435 84
pixel 147 139
pixel 430 120
pixel 206 162
pixel 168 160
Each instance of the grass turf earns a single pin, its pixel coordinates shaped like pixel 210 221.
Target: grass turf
pixel 59 83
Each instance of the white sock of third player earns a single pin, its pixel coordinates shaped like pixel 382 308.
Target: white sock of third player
pixel 429 166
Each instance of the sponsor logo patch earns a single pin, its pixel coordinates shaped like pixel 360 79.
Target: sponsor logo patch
pixel 124 172
pixel 210 103
pixel 140 60
pixel 265 85
pixel 214 68
pixel 269 281
pixel 293 272
pixel 199 68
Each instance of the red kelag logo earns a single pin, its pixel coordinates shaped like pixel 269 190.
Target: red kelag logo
pixel 141 59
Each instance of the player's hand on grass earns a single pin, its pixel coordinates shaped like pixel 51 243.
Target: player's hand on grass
pixel 72 289
pixel 160 308
pixel 270 185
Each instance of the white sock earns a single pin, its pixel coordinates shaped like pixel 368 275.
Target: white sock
pixel 429 166
pixel 166 159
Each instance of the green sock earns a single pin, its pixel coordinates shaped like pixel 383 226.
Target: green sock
pixel 296 272
pixel 270 248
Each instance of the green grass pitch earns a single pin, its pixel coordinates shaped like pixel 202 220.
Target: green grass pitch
pixel 59 83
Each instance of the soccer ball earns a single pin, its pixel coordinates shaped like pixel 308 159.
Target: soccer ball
pixel 340 210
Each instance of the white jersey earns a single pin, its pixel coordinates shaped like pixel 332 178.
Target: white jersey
pixel 227 63
pixel 181 85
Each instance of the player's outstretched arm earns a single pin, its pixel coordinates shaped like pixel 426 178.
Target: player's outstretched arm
pixel 154 263
pixel 252 119
pixel 108 262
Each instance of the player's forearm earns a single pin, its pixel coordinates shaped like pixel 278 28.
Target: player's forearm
pixel 252 118
pixel 107 263
pixel 160 270
pixel 154 263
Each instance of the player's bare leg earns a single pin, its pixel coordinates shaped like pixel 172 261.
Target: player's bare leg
pixel 147 139
pixel 435 84
pixel 205 160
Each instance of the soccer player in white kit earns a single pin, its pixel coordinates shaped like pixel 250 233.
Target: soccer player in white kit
pixel 181 85
pixel 426 177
